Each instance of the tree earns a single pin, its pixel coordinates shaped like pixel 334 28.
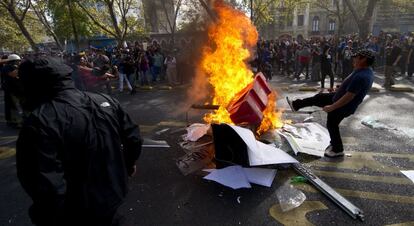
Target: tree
pixel 171 16
pixel 264 11
pixel 10 37
pixel 42 10
pixel 69 21
pixel 337 10
pixel 18 11
pixel 113 16
pixel 363 21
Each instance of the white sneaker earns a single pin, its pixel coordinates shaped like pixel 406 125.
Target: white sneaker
pixel 331 154
pixel 290 104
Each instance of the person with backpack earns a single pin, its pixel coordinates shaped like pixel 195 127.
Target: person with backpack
pixel 75 150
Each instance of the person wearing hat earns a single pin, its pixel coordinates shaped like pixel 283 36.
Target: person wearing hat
pixel 12 91
pixel 344 101
pixel 75 150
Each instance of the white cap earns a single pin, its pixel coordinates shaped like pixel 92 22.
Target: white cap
pixel 12 57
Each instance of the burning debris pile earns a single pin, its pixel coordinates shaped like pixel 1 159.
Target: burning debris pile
pixel 231 38
pixel 245 108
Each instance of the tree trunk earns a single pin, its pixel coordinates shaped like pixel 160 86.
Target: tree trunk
pixel 363 23
pixel 119 35
pixel 210 12
pixel 59 45
pixel 363 27
pixel 42 18
pixel 72 21
pixel 23 29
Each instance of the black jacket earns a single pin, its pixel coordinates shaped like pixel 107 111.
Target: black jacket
pixel 74 154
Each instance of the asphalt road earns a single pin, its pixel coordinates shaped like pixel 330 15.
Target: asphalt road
pixel 161 195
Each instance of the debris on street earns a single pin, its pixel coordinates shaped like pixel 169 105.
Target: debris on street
pixel 260 176
pixel 196 131
pixel 409 174
pixel 309 138
pixel 289 197
pixel 374 124
pixel 162 131
pixel 150 143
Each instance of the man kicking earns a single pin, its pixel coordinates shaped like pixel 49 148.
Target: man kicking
pixel 344 101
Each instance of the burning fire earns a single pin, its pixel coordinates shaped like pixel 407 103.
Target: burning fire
pixel 231 37
pixel 271 117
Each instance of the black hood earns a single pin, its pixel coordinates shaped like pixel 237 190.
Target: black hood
pixel 43 78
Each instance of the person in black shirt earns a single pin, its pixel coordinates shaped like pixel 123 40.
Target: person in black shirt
pixel 326 67
pixel 13 104
pixel 392 57
pixel 410 60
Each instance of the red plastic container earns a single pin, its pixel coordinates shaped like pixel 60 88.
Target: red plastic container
pixel 247 106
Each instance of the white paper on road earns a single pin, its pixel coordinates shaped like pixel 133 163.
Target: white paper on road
pixel 310 138
pixel 260 153
pixel 232 176
pixel 258 176
pixel 196 131
pixel 409 174
pixel 149 143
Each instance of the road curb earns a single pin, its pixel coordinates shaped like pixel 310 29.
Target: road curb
pixel 401 88
pixel 165 87
pixel 145 88
pixel 7 152
pixel 308 89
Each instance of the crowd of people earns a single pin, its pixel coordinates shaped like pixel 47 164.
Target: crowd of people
pixel 319 58
pixel 96 70
pixel 76 149
pixel 132 65
pixel 145 64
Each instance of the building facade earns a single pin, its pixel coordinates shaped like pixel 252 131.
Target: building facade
pixel 393 18
pixel 310 20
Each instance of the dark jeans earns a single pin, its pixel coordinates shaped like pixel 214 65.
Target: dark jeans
pixel 334 117
pixel 346 68
pixel 301 67
pixel 410 68
pixel 324 72
pixel 9 105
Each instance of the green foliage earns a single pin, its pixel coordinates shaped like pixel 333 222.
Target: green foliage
pixel 59 13
pixel 114 18
pixel 10 34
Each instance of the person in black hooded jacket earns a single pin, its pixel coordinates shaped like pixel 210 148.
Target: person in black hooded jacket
pixel 75 150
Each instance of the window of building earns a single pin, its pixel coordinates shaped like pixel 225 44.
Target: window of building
pixel 301 19
pixel 332 25
pixel 315 23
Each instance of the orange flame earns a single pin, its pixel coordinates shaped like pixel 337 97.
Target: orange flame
pixel 231 38
pixel 271 117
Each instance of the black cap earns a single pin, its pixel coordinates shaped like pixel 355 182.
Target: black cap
pixel 365 53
